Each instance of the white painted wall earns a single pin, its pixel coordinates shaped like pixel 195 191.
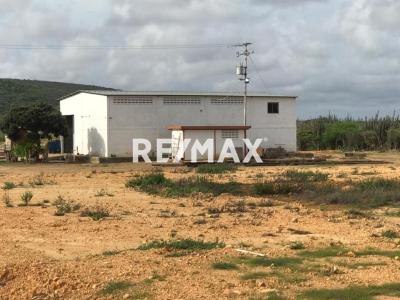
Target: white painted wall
pixel 128 121
pixel 90 122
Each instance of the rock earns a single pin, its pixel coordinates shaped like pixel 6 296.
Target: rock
pixel 396 258
pixel 126 296
pixel 350 254
pixel 94 286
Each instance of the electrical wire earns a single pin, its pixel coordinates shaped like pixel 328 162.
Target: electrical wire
pixel 109 47
pixel 259 74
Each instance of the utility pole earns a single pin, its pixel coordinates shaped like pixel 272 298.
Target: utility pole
pixel 242 72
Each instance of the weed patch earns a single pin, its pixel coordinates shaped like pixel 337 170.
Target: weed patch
pixel 8 185
pixel 115 287
pixel 216 168
pixel 224 266
pixel 187 244
pixel 96 213
pixel 353 293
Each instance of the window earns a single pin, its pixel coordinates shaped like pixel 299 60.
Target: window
pixel 227 100
pixel 273 107
pixel 182 100
pixel 133 100
pixel 230 134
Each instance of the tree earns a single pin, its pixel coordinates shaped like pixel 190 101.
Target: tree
pixel 26 125
pixel 344 134
pixel 33 122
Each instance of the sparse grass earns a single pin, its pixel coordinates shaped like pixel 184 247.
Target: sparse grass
pixel 96 213
pixel 216 168
pixel 331 251
pixel 8 185
pixel 7 199
pixel 224 266
pixel 111 252
pixel 103 193
pixel 158 184
pixel 359 265
pixel 288 278
pixel 297 245
pixel 115 287
pixel 353 293
pixel 390 234
pixel 378 252
pixel 393 213
pixel 266 262
pixel 26 197
pixel 305 176
pixel 187 244
pixel 254 275
pixel 356 213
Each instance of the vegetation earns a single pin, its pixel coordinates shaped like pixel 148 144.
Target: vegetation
pixel 224 266
pixel 158 184
pixel 187 244
pixel 216 168
pixel 350 293
pixel 96 213
pixel 26 197
pixel 8 185
pixel 331 132
pixel 115 287
pixel 27 92
pixel 65 207
pixel 7 199
pixel 367 193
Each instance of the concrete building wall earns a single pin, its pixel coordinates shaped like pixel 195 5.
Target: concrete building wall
pixel 128 121
pixel 115 120
pixel 90 122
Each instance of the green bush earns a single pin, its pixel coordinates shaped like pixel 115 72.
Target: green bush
pixel 96 213
pixel 26 197
pixel 9 185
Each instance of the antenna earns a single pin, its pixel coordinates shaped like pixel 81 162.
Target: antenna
pixel 242 72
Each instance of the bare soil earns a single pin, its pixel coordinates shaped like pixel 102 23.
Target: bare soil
pixel 43 256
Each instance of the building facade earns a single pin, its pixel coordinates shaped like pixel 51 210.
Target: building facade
pixel 104 123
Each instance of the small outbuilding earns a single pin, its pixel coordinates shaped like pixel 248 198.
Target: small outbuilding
pixel 218 135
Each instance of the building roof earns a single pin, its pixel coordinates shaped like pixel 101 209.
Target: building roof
pixel 217 127
pixel 171 93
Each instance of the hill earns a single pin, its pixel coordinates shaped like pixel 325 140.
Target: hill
pixel 17 91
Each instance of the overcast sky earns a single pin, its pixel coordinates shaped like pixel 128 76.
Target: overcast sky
pixel 338 56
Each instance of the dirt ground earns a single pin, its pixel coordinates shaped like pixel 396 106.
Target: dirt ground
pixel 43 256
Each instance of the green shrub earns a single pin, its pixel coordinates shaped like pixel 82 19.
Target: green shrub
pixel 96 213
pixel 216 168
pixel 9 185
pixel 65 207
pixel 26 197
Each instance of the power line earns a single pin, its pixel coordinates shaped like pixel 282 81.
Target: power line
pixel 259 74
pixel 108 46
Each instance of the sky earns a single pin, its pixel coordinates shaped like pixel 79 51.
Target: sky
pixel 338 56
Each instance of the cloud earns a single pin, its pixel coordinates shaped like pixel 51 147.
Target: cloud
pixel 335 55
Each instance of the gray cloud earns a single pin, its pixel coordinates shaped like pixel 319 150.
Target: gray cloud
pixel 339 56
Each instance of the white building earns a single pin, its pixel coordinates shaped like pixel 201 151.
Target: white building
pixel 105 122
